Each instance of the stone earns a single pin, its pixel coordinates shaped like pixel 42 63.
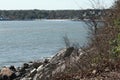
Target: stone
pixel 107 69
pixel 7 74
pixel 49 67
pixel 25 65
pixel 33 72
pixel 39 68
pixel 26 79
pixel 6 71
pixel 94 71
pixel 46 61
pixel 5 77
pixel 12 68
pixel 36 64
pixel 17 74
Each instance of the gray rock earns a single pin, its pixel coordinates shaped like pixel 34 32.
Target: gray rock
pixel 12 68
pixel 46 61
pixel 39 68
pixel 26 79
pixel 36 64
pixel 25 65
pixel 32 73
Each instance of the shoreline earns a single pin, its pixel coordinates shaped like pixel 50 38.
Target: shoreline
pixel 32 70
pixel 41 20
pixel 56 20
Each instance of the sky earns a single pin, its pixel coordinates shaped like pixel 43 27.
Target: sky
pixel 53 4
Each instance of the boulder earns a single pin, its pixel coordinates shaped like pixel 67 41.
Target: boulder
pixel 32 73
pixel 7 74
pixel 39 68
pixel 46 61
pixel 25 65
pixel 36 64
pixel 22 69
pixel 12 68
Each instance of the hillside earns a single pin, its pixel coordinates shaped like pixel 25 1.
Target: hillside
pixel 48 14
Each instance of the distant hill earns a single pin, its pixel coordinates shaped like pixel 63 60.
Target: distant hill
pixel 49 14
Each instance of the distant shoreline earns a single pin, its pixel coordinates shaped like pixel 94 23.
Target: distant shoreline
pixel 54 20
pixel 51 20
pixel 37 20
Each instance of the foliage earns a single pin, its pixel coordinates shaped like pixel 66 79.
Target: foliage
pixel 115 50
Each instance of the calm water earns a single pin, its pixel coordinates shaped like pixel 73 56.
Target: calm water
pixel 23 41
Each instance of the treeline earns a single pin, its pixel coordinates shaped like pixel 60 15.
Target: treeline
pixel 48 14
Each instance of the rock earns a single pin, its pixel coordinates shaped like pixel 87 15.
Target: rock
pixel 39 68
pixel 17 74
pixel 26 79
pixel 77 78
pixel 7 74
pixel 59 69
pixel 12 68
pixel 57 64
pixel 33 72
pixel 6 71
pixel 5 77
pixel 46 61
pixel 18 68
pixel 94 71
pixel 13 76
pixel 49 67
pixel 22 70
pixel 36 64
pixel 25 65
pixel 107 69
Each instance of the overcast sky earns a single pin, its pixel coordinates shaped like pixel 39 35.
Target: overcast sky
pixel 51 4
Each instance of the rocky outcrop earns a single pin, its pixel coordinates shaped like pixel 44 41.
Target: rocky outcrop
pixel 44 70
pixel 28 70
pixel 59 63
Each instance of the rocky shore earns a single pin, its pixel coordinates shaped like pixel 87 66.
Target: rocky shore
pixel 17 73
pixel 63 66
pixel 42 70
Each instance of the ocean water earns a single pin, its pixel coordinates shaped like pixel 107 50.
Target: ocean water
pixel 24 41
